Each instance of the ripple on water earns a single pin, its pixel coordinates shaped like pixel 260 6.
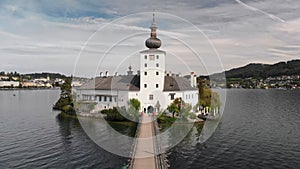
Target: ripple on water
pixel 31 137
pixel 259 129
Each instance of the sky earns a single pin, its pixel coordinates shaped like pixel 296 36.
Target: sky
pixel 85 38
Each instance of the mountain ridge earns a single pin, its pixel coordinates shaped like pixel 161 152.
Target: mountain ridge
pixel 262 71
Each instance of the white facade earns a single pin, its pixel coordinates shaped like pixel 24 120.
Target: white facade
pixel 108 99
pixel 152 74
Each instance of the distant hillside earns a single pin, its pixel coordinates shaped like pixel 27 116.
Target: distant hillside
pixel 263 71
pixel 45 74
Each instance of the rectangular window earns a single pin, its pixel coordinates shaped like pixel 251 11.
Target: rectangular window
pixel 110 99
pixel 157 65
pixel 151 97
pixel 157 56
pixel 151 57
pixel 145 73
pixel 156 85
pixel 145 56
pixel 115 99
pixel 145 85
pixel 145 64
pixel 172 96
pixel 104 98
pixel 157 73
pixel 100 98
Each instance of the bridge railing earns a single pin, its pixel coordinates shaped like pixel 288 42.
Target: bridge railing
pixel 160 158
pixel 134 145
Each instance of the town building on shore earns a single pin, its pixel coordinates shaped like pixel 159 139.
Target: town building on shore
pixel 9 84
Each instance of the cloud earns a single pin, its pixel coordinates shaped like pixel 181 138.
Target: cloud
pixel 48 35
pixel 261 11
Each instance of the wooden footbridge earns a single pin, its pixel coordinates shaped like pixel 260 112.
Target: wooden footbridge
pixel 146 149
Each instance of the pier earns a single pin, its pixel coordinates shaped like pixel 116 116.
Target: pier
pixel 147 147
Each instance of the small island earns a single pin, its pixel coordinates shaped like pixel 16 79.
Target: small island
pixel 69 107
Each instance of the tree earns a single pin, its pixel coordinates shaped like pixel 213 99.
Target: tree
pixel 114 114
pixel 65 102
pixel 215 100
pixel 173 109
pixel 133 109
pixel 176 106
pixel 135 103
pixel 207 97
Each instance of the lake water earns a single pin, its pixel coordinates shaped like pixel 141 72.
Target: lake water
pixel 259 129
pixel 32 136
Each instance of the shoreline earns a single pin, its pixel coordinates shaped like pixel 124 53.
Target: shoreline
pixel 130 123
pixel 126 123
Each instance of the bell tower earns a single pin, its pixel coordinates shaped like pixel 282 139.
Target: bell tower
pixel 152 67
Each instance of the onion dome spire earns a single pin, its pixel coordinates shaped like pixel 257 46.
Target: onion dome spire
pixel 153 42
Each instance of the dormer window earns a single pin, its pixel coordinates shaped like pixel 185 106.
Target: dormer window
pixel 157 56
pixel 145 56
pixel 172 96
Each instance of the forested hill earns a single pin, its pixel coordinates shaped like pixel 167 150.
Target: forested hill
pixel 45 74
pixel 262 71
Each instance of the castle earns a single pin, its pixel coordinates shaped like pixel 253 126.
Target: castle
pixel 152 85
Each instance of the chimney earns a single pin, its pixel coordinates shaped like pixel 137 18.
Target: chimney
pixel 192 79
pixel 195 80
pixel 169 73
pixel 130 72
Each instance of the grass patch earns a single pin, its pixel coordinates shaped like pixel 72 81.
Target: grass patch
pixel 165 119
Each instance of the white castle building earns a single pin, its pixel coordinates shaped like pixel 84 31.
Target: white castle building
pixel 152 86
